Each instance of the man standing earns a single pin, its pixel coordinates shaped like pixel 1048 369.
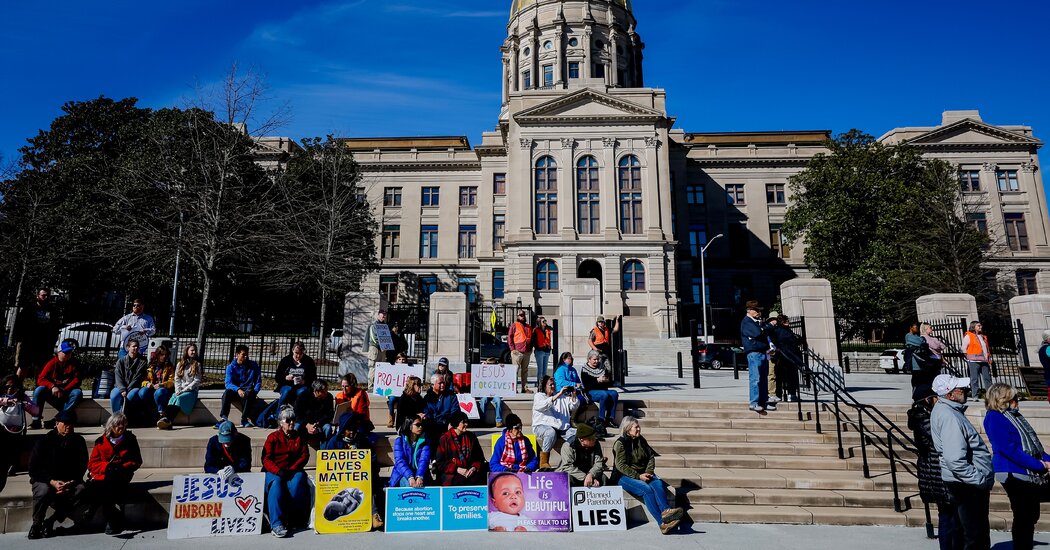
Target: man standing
pixel 754 336
pixel 978 358
pixel 966 464
pixel 136 326
pixel 36 328
pixel 56 473
pixel 58 384
pixel 600 338
pixel 519 338
pixel 375 348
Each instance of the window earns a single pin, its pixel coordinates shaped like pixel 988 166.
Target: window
pixel 391 241
pixel 468 196
pixel 468 286
pixel 499 184
pixel 775 193
pixel 738 241
pixel 428 241
pixel 499 231
pixel 392 196
pixel 633 276
pixel 574 68
pixel 548 45
pixel 388 288
pixel 970 180
pixel 630 195
pixel 735 193
pixel 548 76
pixel 468 241
pixel 694 193
pixel 1026 283
pixel 587 196
pixel 777 244
pixel 1016 232
pixel 599 70
pixel 547 275
pixel 574 42
pixel 621 77
pixel 979 221
pixel 526 79
pixel 497 284
pixel 701 285
pixel 431 196
pixel 1007 180
pixel 428 285
pixel 697 239
pixel 546 196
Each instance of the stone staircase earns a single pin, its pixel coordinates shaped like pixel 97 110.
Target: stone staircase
pixel 645 347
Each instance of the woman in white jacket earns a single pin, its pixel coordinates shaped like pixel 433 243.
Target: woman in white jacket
pixel 552 418
pixel 188 376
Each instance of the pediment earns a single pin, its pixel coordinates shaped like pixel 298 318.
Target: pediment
pixel 969 132
pixel 588 104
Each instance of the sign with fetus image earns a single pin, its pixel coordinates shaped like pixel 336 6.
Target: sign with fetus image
pixel 343 502
pixel 529 502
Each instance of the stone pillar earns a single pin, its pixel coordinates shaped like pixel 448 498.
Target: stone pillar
pixel 580 306
pixel 359 311
pixel 936 307
pixel 1033 311
pixel 447 333
pixel 811 298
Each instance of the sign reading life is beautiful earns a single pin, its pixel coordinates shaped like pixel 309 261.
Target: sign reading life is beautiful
pixel 343 501
pixel 598 509
pixel 493 380
pixel 390 378
pixel 206 505
pixel 529 502
pixel 411 510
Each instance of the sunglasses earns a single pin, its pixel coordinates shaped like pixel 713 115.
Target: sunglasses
pixel 417 425
pixel 517 428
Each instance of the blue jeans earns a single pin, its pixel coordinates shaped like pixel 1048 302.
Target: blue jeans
pixel 43 395
pixel 758 374
pixel 116 400
pixel 138 401
pixel 542 359
pixel 161 396
pixel 391 402
pixel 497 404
pixel 289 394
pixel 290 494
pixel 653 494
pixel 606 400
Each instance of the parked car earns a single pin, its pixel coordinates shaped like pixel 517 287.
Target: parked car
pixel 892 361
pixel 495 346
pixel 89 336
pixel 335 338
pixel 716 356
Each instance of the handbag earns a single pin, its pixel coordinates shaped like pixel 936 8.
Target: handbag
pixel 13 418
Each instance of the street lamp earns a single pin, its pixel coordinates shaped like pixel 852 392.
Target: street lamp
pixel 703 282
pixel 175 285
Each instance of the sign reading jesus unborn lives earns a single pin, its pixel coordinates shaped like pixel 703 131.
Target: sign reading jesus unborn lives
pixel 493 380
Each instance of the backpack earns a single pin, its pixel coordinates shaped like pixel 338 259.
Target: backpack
pixel 13 418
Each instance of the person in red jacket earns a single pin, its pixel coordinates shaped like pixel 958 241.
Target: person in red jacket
pixel 284 459
pixel 112 464
pixel 58 383
pixel 460 460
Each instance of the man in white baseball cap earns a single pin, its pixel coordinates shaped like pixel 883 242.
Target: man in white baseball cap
pixel 966 464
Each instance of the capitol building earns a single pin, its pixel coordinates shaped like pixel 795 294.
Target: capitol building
pixel 586 175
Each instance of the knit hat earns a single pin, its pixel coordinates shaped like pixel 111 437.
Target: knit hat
pixel 585 431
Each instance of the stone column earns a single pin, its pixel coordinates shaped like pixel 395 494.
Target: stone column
pixel 567 189
pixel 614 67
pixel 656 177
pixel 609 191
pixel 580 305
pixel 936 307
pixel 506 81
pixel 1033 311
pixel 811 298
pixel 447 333
pixel 359 311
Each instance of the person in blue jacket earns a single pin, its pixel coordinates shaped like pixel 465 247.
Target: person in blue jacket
pixel 566 376
pixel 411 456
pixel 243 382
pixel 355 432
pixel 228 449
pixel 1019 461
pixel 513 451
pixel 754 336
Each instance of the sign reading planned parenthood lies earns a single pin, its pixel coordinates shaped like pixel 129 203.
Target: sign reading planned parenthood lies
pixel 493 380
pixel 206 505
pixel 529 502
pixel 344 492
pixel 598 509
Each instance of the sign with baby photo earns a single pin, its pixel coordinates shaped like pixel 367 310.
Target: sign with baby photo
pixel 493 380
pixel 206 505
pixel 390 378
pixel 343 501
pixel 529 502
pixel 410 510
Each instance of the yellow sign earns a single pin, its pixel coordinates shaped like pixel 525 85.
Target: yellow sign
pixel 530 437
pixel 344 492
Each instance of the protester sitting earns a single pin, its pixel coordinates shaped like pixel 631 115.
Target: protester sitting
pixel 1019 461
pixel 188 377
pixel 411 403
pixel 130 371
pixel 513 451
pixel 159 385
pixel 391 402
pixel 597 382
pixel 497 402
pixel 355 395
pixel 635 471
pixel 443 370
pixel 114 460
pixel 14 404
pixel 355 432
pixel 566 376
pixel 411 456
pixel 582 459
pixel 56 474
pixel 295 373
pixel 243 382
pixel 460 460
pixel 552 417
pixel 315 412
pixel 228 452
pixel 440 404
pixel 58 384
pixel 284 459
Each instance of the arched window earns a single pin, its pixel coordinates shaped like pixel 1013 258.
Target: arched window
pixel 547 275
pixel 633 275
pixel 546 196
pixel 630 195
pixel 587 197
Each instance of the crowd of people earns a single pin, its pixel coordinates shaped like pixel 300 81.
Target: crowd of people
pixel 773 357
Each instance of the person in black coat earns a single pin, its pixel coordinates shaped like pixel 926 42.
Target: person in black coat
pixel 314 411
pixel 56 474
pixel 931 487
pixel 228 449
pixel 789 357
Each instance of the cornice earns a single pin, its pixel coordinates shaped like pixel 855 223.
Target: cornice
pixel 750 162
pixel 420 166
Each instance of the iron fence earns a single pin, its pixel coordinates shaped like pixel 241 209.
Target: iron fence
pixel 487 327
pixel 1007 350
pixel 413 322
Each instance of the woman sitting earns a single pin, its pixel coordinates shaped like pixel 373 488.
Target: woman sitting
pixel 552 417
pixel 411 456
pixel 353 394
pixel 513 451
pixel 113 462
pixel 566 376
pixel 597 382
pixel 188 376
pixel 14 405
pixel 159 385
pixel 460 460
pixel 411 403
pixel 355 432
pixel 284 459
pixel 635 471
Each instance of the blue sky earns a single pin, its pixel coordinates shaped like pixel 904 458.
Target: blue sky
pixel 415 67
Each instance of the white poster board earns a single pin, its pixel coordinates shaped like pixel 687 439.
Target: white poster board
pixel 469 406
pixel 390 378
pixel 598 509
pixel 386 341
pixel 205 505
pixel 493 380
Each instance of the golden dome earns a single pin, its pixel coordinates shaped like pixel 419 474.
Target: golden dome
pixel 518 5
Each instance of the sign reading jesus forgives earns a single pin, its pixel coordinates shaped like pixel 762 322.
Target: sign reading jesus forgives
pixel 493 380
pixel 206 505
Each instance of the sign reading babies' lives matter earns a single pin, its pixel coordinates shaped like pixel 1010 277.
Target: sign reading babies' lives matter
pixel 493 380
pixel 529 502
pixel 206 505
pixel 343 500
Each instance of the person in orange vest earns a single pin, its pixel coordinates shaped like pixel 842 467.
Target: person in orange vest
pixel 519 338
pixel 541 345
pixel 600 339
pixel 978 358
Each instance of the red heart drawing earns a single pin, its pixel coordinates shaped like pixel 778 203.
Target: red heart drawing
pixel 467 406
pixel 245 504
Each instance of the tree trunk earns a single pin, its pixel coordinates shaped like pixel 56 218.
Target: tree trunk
pixel 18 302
pixel 323 338
pixel 205 292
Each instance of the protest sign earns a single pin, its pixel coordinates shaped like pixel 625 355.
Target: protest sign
pixel 598 509
pixel 529 502
pixel 468 406
pixel 493 380
pixel 343 501
pixel 386 341
pixel 411 510
pixel 390 378
pixel 464 508
pixel 205 505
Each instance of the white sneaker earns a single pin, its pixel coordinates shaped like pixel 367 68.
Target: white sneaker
pixel 773 400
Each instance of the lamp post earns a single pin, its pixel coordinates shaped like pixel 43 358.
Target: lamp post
pixel 703 282
pixel 175 285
